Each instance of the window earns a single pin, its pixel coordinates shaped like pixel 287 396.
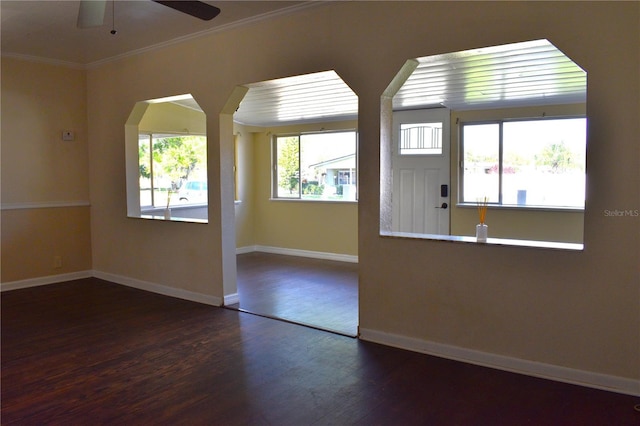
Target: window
pixel 535 163
pixel 315 166
pixel 173 170
pixel 421 139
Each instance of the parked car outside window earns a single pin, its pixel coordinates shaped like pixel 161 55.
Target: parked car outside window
pixel 193 192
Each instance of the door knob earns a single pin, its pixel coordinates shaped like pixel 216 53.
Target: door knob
pixel 443 206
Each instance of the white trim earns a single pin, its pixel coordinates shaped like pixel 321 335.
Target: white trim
pixel 159 288
pixel 490 241
pixel 44 205
pixel 300 253
pixel 245 249
pixel 501 362
pixel 218 29
pixel 231 299
pixel 51 279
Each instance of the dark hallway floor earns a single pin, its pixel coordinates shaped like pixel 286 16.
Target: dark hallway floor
pixel 319 293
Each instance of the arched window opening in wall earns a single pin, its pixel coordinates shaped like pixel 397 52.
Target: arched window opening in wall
pixel 494 136
pixel 166 155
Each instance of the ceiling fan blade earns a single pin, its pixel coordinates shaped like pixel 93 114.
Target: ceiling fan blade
pixel 91 13
pixel 198 9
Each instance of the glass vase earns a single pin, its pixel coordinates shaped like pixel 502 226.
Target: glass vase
pixel 481 232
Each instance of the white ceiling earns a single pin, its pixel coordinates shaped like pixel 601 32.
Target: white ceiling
pixel 318 97
pixel 529 73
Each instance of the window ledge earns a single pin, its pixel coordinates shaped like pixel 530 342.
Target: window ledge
pixel 490 241
pixel 516 207
pixel 299 200
pixel 172 219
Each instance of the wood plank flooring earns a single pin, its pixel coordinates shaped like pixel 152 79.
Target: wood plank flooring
pixel 314 292
pixel 89 352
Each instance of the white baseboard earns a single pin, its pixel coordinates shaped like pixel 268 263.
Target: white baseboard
pixel 300 253
pixel 51 279
pixel 500 362
pixel 246 249
pixel 159 288
pixel 231 299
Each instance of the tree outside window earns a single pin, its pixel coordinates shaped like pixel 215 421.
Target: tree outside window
pixel 166 162
pixel 537 163
pixel 315 166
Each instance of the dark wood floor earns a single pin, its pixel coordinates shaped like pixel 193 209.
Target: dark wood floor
pixel 91 352
pixel 314 292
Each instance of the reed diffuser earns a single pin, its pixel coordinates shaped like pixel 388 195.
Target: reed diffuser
pixel 482 228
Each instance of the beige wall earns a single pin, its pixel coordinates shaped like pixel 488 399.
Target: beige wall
pixel 523 224
pixel 32 237
pixel 172 118
pixel 327 227
pixel 245 205
pixel 568 309
pixel 45 190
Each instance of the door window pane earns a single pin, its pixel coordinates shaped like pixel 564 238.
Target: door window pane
pixel 421 139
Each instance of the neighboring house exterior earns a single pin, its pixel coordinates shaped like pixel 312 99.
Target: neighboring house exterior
pixel 338 175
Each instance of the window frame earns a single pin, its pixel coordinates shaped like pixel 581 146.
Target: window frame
pixel 159 135
pixel 500 122
pixel 299 135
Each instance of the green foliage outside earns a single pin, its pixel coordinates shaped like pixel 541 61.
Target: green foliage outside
pixel 171 160
pixel 312 188
pixel 554 157
pixel 289 163
pixel 559 158
pixel 174 157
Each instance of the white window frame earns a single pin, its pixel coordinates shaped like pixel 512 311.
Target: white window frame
pixel 299 135
pixel 500 203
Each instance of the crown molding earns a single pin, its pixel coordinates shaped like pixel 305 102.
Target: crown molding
pixel 240 23
pixel 47 61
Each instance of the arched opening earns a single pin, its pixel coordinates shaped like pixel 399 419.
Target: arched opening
pixel 294 150
pixel 495 134
pixel 166 160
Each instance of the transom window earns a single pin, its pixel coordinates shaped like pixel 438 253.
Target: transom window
pixel 535 163
pixel 315 166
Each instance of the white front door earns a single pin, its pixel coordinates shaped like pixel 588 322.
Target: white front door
pixel 420 161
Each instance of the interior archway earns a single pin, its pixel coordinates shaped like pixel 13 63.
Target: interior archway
pixel 314 222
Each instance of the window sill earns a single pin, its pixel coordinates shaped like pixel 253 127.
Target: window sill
pixel 516 207
pixel 490 241
pixel 196 213
pixel 299 200
pixel 172 219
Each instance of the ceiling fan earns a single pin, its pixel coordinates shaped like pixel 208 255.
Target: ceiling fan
pixel 91 12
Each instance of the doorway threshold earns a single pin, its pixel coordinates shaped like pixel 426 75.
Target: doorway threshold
pixel 235 307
